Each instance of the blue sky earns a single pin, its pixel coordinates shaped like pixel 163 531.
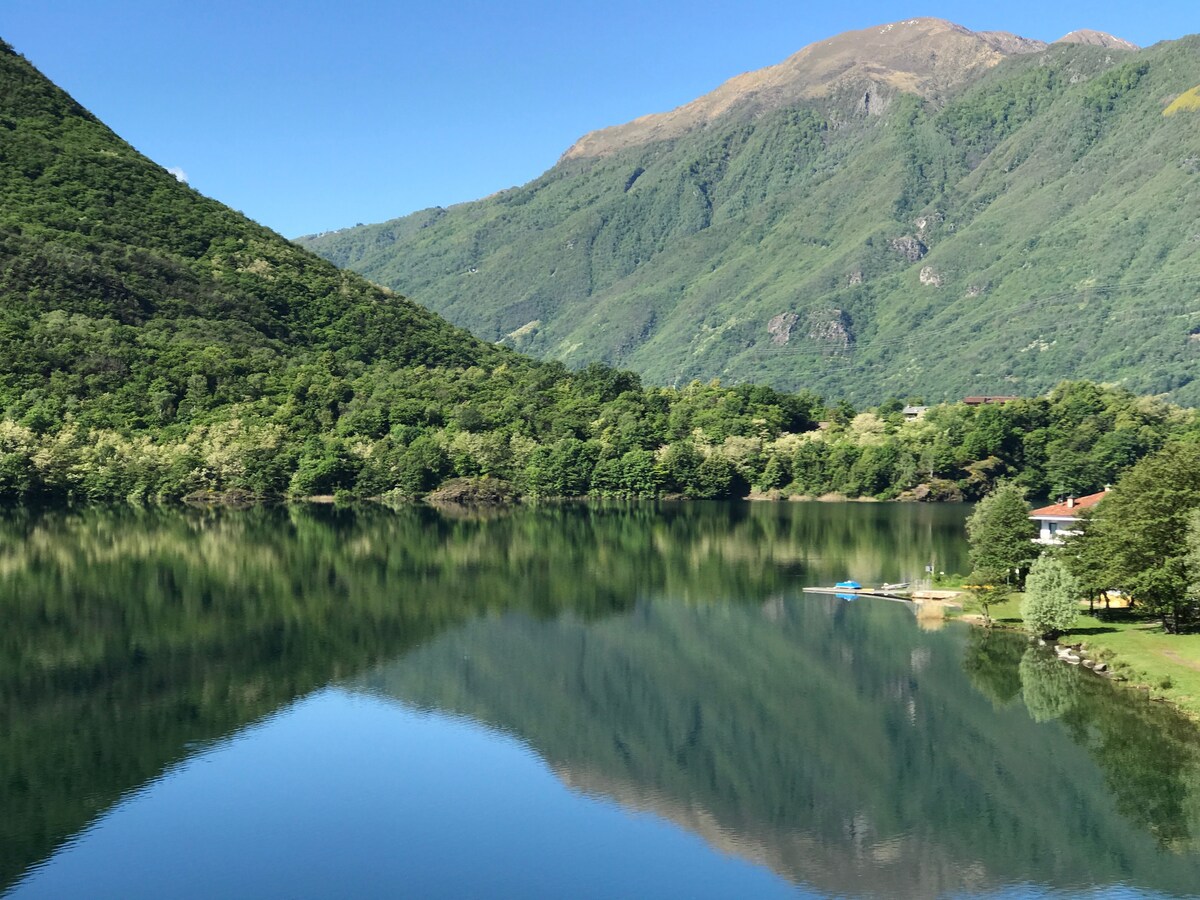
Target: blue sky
pixel 310 115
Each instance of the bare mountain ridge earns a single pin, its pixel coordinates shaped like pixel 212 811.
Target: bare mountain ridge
pixel 924 56
pixel 1096 39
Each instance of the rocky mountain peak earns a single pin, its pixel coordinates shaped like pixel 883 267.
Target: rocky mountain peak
pixel 924 56
pixel 1096 39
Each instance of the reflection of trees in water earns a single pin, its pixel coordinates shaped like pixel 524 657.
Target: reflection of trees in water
pixel 659 647
pixel 130 635
pixel 991 664
pixel 844 750
pixel 1048 686
pixel 1149 755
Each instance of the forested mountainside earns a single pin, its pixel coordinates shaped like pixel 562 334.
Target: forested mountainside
pixel 130 298
pixel 156 344
pixel 910 210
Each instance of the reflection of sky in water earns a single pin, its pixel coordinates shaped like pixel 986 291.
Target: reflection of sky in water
pixel 344 795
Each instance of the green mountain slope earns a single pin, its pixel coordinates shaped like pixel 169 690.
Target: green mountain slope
pixel 117 281
pixel 867 230
pixel 154 343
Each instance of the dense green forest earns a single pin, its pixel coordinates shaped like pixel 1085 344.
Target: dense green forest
pixel 1032 223
pixel 155 344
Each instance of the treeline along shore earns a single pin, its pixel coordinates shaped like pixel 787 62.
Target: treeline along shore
pixel 549 432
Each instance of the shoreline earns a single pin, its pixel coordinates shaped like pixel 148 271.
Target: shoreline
pixel 1176 676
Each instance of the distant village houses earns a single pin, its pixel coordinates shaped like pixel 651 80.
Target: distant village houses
pixel 983 400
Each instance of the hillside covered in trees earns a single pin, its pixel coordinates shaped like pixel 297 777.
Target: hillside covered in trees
pixel 155 344
pixel 914 209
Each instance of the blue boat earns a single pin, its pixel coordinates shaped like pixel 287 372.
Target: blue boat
pixel 849 585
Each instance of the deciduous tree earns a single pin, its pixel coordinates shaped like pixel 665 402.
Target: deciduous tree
pixel 1001 536
pixel 1141 529
pixel 1051 600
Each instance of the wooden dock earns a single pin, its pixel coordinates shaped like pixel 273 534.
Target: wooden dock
pixel 918 597
pixel 861 592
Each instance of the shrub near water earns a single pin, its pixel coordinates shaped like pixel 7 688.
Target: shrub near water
pixel 1051 593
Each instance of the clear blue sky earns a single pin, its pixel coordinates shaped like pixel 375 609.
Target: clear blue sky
pixel 310 115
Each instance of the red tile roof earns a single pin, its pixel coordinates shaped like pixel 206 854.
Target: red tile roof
pixel 1061 509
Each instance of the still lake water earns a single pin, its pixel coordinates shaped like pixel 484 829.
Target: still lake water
pixel 576 701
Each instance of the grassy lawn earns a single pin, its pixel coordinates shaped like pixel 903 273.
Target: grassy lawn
pixel 1008 611
pixel 1135 648
pixel 1141 651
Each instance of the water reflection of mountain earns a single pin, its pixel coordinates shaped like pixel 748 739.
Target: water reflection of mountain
pixel 131 637
pixel 843 749
pixel 612 639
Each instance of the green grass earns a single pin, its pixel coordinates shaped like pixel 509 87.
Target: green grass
pixel 1008 611
pixel 1187 101
pixel 1135 647
pixel 1005 612
pixel 951 582
pixel 1139 650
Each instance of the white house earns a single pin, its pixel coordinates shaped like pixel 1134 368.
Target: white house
pixel 1058 521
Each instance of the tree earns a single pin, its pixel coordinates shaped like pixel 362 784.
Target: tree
pixel 1001 536
pixel 1141 530
pixel 984 593
pixel 1050 603
pixel 1084 555
pixel 774 474
pixel 1192 560
pixel 718 479
pixel 679 464
pixel 421 466
pixel 324 469
pixel 639 474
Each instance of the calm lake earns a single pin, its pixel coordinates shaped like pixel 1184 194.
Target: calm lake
pixel 566 701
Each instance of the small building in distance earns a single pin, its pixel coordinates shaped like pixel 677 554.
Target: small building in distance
pixel 980 401
pixel 1059 520
pixel 912 413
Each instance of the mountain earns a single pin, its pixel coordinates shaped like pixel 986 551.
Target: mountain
pixel 1096 39
pixel 913 209
pixel 130 302
pixel 926 57
pixel 112 268
pixel 156 344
